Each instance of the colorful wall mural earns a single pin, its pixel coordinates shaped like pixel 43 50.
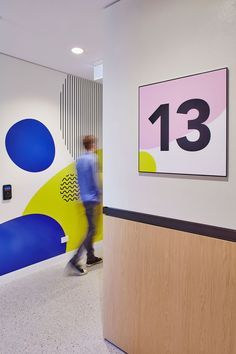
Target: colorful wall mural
pixel 37 160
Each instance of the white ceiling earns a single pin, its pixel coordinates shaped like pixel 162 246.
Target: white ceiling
pixel 44 31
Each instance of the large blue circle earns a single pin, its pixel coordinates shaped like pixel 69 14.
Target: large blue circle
pixel 30 145
pixel 29 239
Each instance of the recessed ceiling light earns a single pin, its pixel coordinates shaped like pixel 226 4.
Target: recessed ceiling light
pixel 77 50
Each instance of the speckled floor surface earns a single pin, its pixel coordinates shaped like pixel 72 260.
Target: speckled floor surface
pixel 49 312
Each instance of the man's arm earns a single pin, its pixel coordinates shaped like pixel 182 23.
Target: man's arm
pixel 94 167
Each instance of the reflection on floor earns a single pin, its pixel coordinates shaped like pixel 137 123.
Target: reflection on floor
pixel 48 312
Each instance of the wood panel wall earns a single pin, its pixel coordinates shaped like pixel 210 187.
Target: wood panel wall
pixel 167 291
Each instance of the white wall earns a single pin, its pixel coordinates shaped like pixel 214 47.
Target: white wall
pixel 150 41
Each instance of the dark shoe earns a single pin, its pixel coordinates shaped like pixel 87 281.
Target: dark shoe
pixel 94 260
pixel 79 270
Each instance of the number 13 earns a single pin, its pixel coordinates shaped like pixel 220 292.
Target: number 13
pixel 197 124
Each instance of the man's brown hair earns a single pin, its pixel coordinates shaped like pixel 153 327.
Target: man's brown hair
pixel 88 141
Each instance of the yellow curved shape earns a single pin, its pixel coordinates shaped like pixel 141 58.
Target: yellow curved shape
pixel 55 201
pixel 146 162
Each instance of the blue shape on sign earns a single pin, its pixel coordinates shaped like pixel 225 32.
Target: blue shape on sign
pixel 30 145
pixel 29 239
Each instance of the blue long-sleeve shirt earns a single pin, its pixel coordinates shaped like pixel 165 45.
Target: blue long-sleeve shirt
pixel 86 167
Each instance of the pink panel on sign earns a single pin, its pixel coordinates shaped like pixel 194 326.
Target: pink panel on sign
pixel 210 87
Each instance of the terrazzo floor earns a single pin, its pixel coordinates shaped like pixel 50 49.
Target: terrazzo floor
pixel 51 312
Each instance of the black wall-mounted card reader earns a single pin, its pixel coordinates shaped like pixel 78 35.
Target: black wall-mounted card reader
pixel 6 192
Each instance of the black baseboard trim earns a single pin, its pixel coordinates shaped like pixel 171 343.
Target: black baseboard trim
pixel 174 224
pixel 107 340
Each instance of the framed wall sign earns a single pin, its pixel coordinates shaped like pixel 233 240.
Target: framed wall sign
pixel 183 125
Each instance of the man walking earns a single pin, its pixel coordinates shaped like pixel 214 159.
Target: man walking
pixel 90 195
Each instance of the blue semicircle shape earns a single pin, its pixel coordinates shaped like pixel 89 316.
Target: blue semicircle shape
pixel 30 145
pixel 29 239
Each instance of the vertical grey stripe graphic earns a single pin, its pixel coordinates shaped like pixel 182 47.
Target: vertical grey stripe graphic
pixel 80 112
